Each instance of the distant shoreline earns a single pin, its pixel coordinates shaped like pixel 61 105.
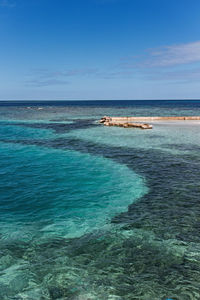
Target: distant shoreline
pixel 135 122
pixel 156 118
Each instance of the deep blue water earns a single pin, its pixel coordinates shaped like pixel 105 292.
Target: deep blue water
pixel 89 212
pixel 104 103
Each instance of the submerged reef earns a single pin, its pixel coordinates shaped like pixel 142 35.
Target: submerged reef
pixel 151 251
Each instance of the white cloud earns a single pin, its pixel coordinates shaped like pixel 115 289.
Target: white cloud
pixel 166 56
pixel 167 63
pixel 43 83
pixel 45 77
pixel 174 55
pixel 187 75
pixel 46 73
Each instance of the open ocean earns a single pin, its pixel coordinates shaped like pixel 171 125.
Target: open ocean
pixel 89 212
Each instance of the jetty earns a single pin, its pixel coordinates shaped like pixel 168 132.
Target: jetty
pixel 137 122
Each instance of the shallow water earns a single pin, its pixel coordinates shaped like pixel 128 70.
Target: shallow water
pixel 93 212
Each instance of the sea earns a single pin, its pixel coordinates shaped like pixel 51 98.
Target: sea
pixel 91 212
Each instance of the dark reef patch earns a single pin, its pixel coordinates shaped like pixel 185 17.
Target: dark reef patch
pixel 57 127
pixel 172 207
pixel 182 147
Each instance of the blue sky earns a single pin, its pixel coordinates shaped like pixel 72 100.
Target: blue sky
pixel 99 49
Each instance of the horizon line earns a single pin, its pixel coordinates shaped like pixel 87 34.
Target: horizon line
pixel 34 100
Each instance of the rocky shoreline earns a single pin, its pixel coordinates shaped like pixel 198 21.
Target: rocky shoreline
pixel 129 122
pixel 108 121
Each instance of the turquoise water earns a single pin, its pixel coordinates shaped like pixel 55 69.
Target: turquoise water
pixel 103 213
pixel 165 136
pixel 67 193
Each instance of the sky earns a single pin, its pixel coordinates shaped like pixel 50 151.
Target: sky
pixel 99 49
